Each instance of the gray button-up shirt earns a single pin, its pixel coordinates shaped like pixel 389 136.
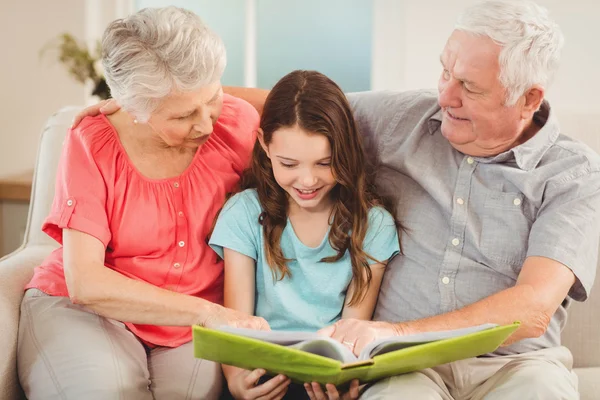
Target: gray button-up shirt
pixel 470 222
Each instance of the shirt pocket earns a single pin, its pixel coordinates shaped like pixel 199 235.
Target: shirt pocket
pixel 505 229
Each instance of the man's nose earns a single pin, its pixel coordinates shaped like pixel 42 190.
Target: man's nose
pixel 450 94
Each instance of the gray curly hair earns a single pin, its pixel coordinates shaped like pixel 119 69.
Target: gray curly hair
pixel 155 51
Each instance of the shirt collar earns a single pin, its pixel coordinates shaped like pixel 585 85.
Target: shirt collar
pixel 528 154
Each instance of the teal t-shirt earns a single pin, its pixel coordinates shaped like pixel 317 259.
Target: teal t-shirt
pixel 315 294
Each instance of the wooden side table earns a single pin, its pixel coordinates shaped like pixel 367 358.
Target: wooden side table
pixel 14 188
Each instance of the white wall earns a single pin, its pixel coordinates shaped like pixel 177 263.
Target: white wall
pixel 410 35
pixel 32 88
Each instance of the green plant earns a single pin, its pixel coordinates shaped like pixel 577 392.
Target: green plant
pixel 81 63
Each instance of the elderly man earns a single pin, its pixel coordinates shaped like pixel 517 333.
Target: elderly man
pixel 501 211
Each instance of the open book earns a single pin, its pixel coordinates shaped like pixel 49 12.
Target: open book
pixel 309 357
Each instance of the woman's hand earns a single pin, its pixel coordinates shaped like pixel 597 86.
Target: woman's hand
pixel 243 386
pixel 219 316
pixel 106 107
pixel 315 392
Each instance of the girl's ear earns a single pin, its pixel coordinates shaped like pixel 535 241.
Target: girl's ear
pixel 261 139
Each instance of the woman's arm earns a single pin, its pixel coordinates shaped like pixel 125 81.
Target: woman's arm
pixel 115 296
pixel 364 309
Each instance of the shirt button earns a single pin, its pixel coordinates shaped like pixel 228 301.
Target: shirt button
pixel 180 213
pixel 445 280
pixel 176 265
pixel 455 242
pixel 460 201
pixel 176 184
pixel 517 202
pixel 69 203
pixel 181 244
pixel 470 160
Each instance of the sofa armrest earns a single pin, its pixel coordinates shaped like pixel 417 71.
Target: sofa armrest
pixel 16 269
pixel 589 382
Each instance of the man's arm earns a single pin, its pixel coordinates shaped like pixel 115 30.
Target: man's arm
pixel 256 97
pixel 541 287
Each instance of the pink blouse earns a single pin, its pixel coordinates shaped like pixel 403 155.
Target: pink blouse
pixel 154 230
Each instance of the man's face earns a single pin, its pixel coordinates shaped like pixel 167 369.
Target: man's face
pixel 475 120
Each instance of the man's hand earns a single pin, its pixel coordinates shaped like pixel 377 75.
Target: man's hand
pixel 243 386
pixel 106 107
pixel 315 392
pixel 356 333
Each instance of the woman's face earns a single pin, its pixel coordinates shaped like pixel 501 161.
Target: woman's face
pixel 186 119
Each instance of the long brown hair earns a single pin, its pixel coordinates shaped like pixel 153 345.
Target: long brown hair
pixel 316 104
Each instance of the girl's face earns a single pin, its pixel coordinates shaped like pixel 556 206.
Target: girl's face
pixel 302 166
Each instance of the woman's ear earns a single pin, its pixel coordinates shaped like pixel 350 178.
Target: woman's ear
pixel 261 139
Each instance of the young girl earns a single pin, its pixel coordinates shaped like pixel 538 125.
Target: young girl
pixel 307 240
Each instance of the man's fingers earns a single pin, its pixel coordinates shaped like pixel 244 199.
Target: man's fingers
pixel 327 331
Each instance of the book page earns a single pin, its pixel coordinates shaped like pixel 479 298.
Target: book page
pixel 305 341
pixel 390 344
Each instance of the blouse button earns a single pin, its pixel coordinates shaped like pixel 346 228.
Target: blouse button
pixel 180 213
pixel 176 265
pixel 176 184
pixel 181 244
pixel 69 203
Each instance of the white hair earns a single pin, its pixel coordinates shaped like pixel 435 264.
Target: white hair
pixel 531 41
pixel 156 51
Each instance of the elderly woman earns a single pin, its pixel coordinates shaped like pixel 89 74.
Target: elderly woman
pixel 107 315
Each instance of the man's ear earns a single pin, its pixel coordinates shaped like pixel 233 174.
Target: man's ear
pixel 533 100
pixel 261 139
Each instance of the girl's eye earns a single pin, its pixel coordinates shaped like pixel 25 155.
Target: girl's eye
pixel 325 164
pixel 287 165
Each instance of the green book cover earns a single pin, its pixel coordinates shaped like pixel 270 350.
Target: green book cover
pixel 308 357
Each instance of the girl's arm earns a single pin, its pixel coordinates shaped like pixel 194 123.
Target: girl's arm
pixel 115 296
pixel 364 309
pixel 240 286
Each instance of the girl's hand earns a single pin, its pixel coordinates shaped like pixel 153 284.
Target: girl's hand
pixel 315 392
pixel 106 107
pixel 219 316
pixel 243 386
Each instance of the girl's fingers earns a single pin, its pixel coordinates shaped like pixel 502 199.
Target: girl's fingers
pixel 252 378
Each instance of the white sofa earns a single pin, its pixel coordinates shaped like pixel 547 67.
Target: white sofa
pixel 582 334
